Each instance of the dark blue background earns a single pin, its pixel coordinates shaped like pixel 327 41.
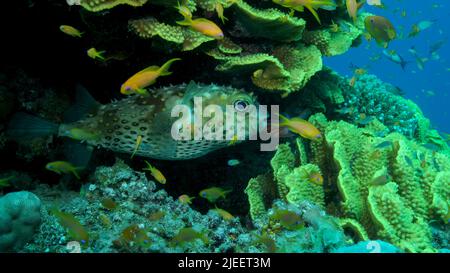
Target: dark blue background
pixel 414 82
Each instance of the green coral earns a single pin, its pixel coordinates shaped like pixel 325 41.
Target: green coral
pixel 269 23
pixel 286 69
pixel 185 38
pixel 380 187
pixel 332 42
pixel 301 188
pixel 99 5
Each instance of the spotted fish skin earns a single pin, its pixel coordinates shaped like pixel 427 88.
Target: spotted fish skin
pixel 120 123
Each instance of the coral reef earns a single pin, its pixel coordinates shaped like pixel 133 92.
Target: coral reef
pixel 382 187
pixel 20 217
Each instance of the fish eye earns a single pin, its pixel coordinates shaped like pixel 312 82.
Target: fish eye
pixel 240 105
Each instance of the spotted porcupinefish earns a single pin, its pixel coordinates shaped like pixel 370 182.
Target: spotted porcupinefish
pixel 117 125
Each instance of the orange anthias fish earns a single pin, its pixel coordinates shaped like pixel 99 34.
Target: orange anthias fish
pixel 352 81
pixel 202 25
pixel 352 8
pixel 381 29
pixel 311 5
pixel 301 127
pixel 76 231
pixel 71 31
pixel 224 214
pixel 144 78
pixel 185 199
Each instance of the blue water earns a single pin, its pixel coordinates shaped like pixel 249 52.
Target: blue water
pixel 418 85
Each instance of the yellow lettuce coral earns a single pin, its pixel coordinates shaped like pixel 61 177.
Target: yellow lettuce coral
pixel 99 5
pixel 287 69
pixel 187 39
pixel 269 23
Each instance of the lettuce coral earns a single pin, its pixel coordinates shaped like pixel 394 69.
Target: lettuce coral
pixel 385 188
pixel 99 5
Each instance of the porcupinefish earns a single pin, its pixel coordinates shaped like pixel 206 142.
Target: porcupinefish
pixel 116 125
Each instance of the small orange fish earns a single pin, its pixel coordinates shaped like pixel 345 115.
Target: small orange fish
pixel 144 78
pixel 301 127
pixel 224 214
pixel 185 199
pixel 202 25
pixel 157 174
pixel 311 5
pixel 155 216
pixel 71 31
pixel 352 8
pixel 108 203
pixel 352 81
pixel 186 235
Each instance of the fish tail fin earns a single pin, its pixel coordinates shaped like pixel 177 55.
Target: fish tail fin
pixel 314 13
pixel 23 126
pixel 164 70
pixel 225 192
pixel 284 119
pixel 75 173
pixel 77 153
pixel 186 13
pixel 360 4
pixel 84 104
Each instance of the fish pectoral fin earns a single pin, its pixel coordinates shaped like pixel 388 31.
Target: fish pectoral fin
pixel 142 91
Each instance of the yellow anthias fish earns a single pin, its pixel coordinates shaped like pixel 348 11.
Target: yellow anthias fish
pixel 60 167
pixel 288 219
pixel 223 213
pixel 5 182
pixel 80 134
pixel 301 127
pixel 71 31
pixel 214 193
pixel 352 8
pixel 155 173
pixel 144 78
pixel 185 199
pixel 94 54
pixel 138 144
pixel 74 228
pixel 188 235
pixel 311 5
pixel 316 178
pixel 202 25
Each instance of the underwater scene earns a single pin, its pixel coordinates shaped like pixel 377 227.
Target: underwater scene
pixel 225 126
